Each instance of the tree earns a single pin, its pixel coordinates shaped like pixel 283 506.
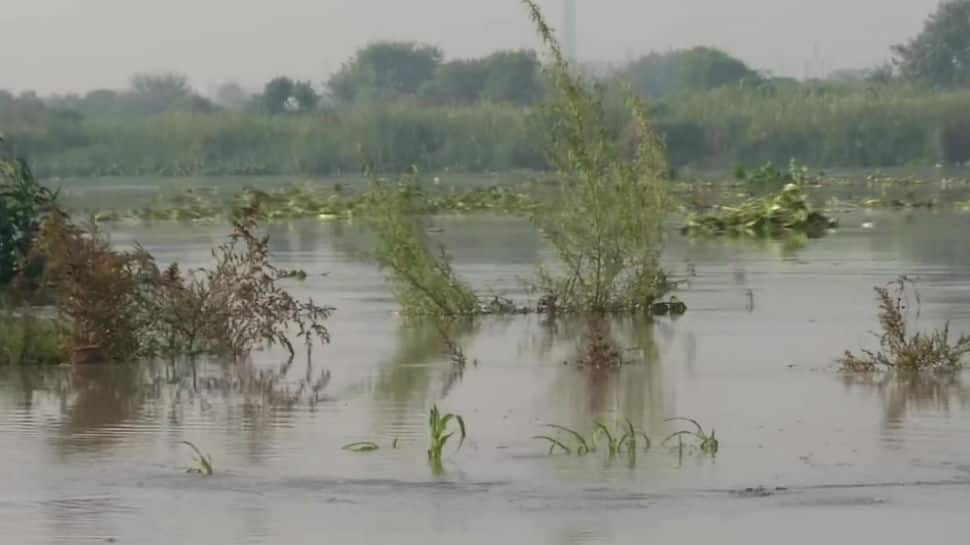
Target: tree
pixel 384 70
pixel 283 94
pixel 154 93
pixel 705 68
pixel 698 69
pixel 940 54
pixel 231 95
pixel 456 82
pixel 512 76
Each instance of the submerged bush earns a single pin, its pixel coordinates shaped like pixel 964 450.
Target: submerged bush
pixel 122 304
pixel 606 223
pixel 901 350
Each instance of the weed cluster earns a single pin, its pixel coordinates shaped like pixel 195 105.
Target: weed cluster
pixel 122 304
pixel 901 350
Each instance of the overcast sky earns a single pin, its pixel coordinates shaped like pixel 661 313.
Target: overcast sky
pixel 78 45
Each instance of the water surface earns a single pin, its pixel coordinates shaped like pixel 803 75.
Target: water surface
pixel 94 454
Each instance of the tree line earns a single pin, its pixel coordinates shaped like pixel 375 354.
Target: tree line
pixel 693 92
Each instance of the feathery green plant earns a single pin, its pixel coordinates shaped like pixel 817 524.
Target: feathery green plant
pixel 423 283
pixel 606 223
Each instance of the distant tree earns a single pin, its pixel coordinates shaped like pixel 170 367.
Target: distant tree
pixel 512 76
pixel 701 68
pixel 940 54
pixel 656 74
pixel 384 70
pixel 231 95
pixel 159 92
pixel 304 97
pixel 283 94
pixel 705 68
pixel 456 82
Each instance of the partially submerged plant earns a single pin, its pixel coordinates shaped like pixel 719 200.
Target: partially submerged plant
pixel 582 446
pixel 423 282
pixel 98 290
pixel 122 304
pixel 235 306
pixel 624 436
pixel 203 462
pixel 707 443
pixel 623 440
pixel 438 427
pixel 901 350
pixel 606 223
pixel 363 446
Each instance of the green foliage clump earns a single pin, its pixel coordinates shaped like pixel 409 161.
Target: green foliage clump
pixel 423 282
pixel 606 222
pixel 22 200
pixel 27 339
pixel 771 216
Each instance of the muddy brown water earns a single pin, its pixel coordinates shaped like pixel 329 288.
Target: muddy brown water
pixel 94 455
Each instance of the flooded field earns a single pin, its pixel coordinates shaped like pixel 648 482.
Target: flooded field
pixel 807 455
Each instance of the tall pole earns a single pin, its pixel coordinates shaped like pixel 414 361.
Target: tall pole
pixel 569 29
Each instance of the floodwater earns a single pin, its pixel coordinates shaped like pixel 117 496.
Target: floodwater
pixel 94 455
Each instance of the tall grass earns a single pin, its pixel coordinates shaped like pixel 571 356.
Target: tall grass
pixel 822 126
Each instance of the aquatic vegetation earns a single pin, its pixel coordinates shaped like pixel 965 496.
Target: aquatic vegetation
pixel 22 201
pixel 582 446
pixel 98 290
pixel 901 350
pixel 770 216
pixel 624 436
pixel 121 304
pixel 605 223
pixel 625 439
pixel 235 306
pixel 292 202
pixel 438 428
pixel 706 443
pixel 362 446
pixel 768 177
pixel 203 462
pixel 28 339
pixel 423 282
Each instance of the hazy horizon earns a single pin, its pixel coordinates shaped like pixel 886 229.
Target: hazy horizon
pixel 60 46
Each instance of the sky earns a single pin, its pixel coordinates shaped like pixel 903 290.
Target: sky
pixel 58 46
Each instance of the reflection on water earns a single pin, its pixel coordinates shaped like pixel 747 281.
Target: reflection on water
pixel 904 394
pixel 94 452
